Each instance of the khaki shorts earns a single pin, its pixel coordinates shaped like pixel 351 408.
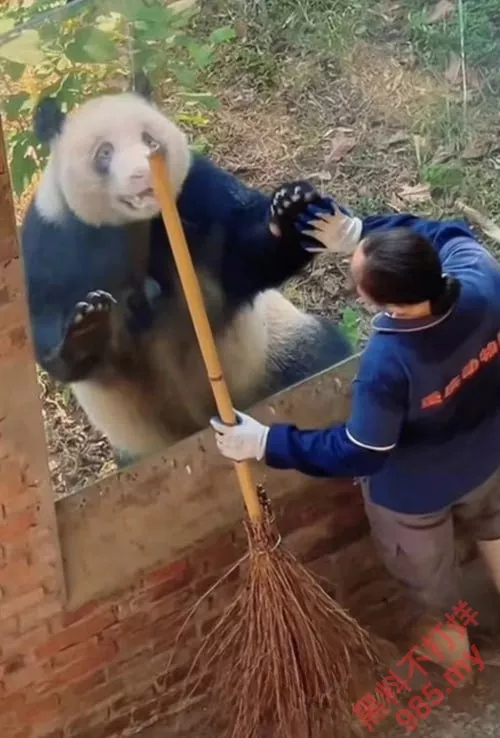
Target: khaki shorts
pixel 419 550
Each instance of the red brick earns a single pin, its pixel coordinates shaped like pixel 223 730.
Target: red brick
pixel 104 694
pixel 30 676
pixel 178 603
pixel 87 609
pixel 97 718
pixel 19 576
pixel 17 526
pixel 87 684
pixel 96 657
pixel 77 633
pixel 11 702
pixel 126 701
pixel 20 603
pixel 218 554
pixel 39 614
pixel 161 591
pixel 11 479
pixel 115 727
pixel 72 653
pixel 24 732
pixel 24 643
pixel 123 629
pixel 41 711
pixel 22 501
pixel 145 712
pixel 177 572
pixel 14 663
pixel 12 313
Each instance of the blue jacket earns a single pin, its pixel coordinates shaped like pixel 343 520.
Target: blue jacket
pixel 425 420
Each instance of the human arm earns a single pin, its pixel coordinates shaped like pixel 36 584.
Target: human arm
pixel 320 223
pixel 359 447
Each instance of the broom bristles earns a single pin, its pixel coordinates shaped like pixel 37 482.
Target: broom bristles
pixel 285 660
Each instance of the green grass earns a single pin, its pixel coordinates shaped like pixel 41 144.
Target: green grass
pixel 304 43
pixel 434 42
pixel 275 31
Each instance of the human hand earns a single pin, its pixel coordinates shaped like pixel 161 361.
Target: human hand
pixel 243 441
pixel 288 203
pixel 335 230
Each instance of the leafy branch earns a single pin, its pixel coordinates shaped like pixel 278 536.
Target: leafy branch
pixel 91 47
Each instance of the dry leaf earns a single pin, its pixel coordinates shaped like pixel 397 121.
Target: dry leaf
pixel 240 28
pixel 474 78
pixel 342 144
pixel 396 203
pixel 476 150
pixel 442 154
pixel 396 138
pixel 179 6
pixel 415 193
pixel 453 72
pixel 444 9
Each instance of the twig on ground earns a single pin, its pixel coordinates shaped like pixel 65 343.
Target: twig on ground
pixel 488 226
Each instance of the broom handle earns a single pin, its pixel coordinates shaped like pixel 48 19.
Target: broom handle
pixel 194 299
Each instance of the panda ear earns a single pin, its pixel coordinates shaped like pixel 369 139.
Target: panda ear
pixel 142 86
pixel 48 119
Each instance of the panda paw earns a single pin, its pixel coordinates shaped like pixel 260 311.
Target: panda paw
pixel 95 302
pixel 291 201
pixel 89 329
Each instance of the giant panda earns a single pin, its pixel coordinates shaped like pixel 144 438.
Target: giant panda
pixel 107 310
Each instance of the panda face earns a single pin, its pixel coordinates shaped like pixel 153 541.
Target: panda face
pixel 101 159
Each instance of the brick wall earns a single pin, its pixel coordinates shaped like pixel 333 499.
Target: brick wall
pixel 100 671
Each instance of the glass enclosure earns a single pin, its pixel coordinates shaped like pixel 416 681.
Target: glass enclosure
pixel 387 105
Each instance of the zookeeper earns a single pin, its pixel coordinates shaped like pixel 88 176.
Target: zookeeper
pixel 423 437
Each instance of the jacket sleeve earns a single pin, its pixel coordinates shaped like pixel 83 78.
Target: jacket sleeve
pixel 439 232
pixel 357 448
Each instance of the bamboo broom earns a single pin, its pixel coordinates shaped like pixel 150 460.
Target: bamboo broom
pixel 285 660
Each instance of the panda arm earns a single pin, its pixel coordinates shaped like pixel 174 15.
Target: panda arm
pixel 57 281
pixel 252 258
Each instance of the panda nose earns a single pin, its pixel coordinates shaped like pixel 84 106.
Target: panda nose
pixel 141 176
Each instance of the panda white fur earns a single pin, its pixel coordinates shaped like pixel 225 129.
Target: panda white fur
pixel 107 310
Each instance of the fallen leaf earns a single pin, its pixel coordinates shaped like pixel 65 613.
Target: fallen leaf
pixel 396 203
pixel 414 193
pixel 419 142
pixel 443 10
pixel 179 6
pixel 396 138
pixel 475 150
pixel 241 29
pixel 443 154
pixel 474 78
pixel 342 143
pixel 453 73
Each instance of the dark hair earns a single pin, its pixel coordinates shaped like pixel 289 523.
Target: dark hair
pixel 403 268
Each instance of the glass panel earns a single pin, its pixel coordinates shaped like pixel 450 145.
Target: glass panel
pixel 388 106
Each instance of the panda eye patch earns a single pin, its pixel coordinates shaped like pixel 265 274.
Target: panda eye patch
pixel 150 141
pixel 103 156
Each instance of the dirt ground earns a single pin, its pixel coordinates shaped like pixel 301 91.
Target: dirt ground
pixel 354 96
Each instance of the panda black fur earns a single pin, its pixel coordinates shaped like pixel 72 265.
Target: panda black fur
pixel 108 314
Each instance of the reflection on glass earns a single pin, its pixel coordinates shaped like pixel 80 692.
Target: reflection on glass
pixel 383 105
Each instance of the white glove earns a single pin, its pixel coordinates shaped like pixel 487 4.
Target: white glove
pixel 246 440
pixel 338 233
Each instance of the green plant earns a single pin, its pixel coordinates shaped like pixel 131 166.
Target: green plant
pixel 350 325
pixel 434 42
pixel 93 46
